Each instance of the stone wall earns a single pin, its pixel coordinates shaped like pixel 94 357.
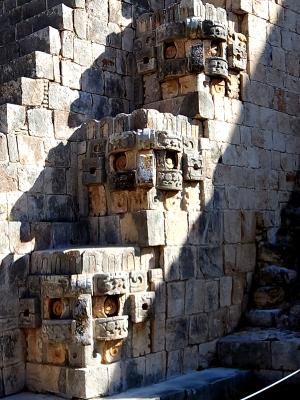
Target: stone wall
pixel 61 64
pixel 65 64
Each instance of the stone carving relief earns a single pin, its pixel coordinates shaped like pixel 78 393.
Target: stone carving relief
pixel 188 39
pixel 144 158
pixel 73 313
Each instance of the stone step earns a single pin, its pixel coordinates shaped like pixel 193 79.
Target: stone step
pixel 263 318
pixel 261 349
pixel 13 27
pixel 46 40
pixel 88 260
pixel 34 65
pixel 59 17
pixel 24 9
pixel 210 384
pixel 24 91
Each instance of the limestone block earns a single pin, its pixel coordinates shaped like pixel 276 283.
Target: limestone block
pixel 30 315
pixel 80 23
pixel 12 148
pixel 242 6
pixel 59 286
pixel 225 291
pixel 207 353
pixel 190 358
pixel 12 118
pixel 198 329
pixel 141 306
pixel 232 226
pixel 111 284
pixel 14 378
pixel 21 242
pixel 170 262
pixel 177 333
pixel 158 332
pixel 40 122
pixel 245 352
pixel 111 352
pixel 113 328
pixel 155 367
pixel 109 228
pixel 113 85
pixel 55 354
pixel 175 299
pixel 71 74
pixel 238 289
pixel 276 275
pixel 58 331
pixel 46 378
pixel 141 339
pixel 268 297
pixel 23 91
pixel 134 372
pixel 146 228
pixel 82 52
pixel 34 346
pixel 217 323
pixel 12 347
pixel 263 318
pixel 194 296
pixel 43 65
pixel 8 175
pixel 3 149
pixel 61 97
pixel 112 259
pixel 211 300
pixel 137 281
pixel 178 236
pixel 96 31
pixel 149 258
pixel 46 40
pixel 67 44
pixel 92 80
pixel 82 311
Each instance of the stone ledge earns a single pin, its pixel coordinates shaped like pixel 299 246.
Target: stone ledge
pixel 212 383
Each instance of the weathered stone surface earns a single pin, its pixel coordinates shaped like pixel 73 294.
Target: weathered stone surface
pixel 40 122
pixel 268 296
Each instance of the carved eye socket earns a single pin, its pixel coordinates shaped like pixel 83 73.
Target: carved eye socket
pixel 171 159
pixel 120 162
pixel 170 51
pixel 145 306
pixel 111 306
pixel 55 308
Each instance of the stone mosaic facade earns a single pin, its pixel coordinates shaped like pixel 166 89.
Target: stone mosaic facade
pixel 148 150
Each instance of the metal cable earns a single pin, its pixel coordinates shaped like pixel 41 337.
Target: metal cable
pixel 270 386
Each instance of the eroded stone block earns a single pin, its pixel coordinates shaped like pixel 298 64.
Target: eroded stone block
pixel 113 328
pixel 141 306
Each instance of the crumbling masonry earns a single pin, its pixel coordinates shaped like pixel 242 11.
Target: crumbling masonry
pixel 149 198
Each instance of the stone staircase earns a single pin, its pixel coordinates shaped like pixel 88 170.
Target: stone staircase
pixel 270 353
pixel 269 343
pixel 29 43
pixel 20 22
pixel 276 299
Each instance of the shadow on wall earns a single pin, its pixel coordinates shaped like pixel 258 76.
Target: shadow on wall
pixel 213 274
